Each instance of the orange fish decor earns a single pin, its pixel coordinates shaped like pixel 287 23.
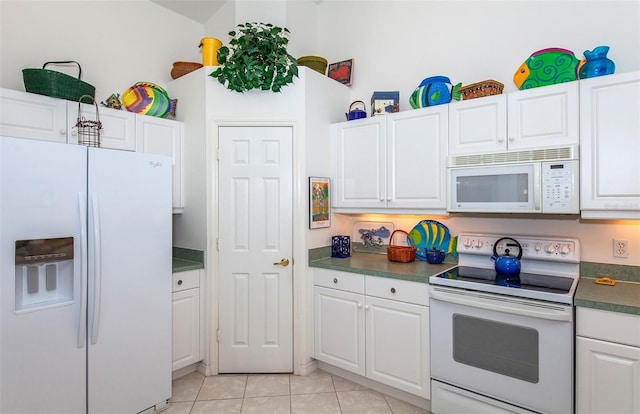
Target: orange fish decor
pixel 147 98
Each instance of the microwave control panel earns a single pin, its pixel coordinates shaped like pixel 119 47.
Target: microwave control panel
pixel 560 187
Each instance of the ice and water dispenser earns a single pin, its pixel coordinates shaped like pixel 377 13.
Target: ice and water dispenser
pixel 44 273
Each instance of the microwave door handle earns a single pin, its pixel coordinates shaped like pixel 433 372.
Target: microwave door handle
pixel 537 187
pixel 514 307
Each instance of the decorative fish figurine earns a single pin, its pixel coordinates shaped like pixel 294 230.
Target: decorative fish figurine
pixel 547 67
pixel 112 102
pixel 596 63
pixel 149 99
pixel 373 237
pixel 435 90
pixel 431 234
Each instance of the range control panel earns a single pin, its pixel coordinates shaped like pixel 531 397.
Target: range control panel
pixel 533 247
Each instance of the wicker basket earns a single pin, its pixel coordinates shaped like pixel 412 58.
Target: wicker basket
pixel 182 68
pixel 480 89
pixel 57 84
pixel 402 254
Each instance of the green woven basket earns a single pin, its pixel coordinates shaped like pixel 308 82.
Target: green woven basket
pixel 57 84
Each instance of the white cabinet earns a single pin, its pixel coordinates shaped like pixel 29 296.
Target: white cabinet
pixel 382 335
pixel 545 117
pixel 118 126
pixel 163 136
pixel 609 146
pixel 391 162
pixel 607 362
pixel 28 115
pixel 186 323
pixel 33 116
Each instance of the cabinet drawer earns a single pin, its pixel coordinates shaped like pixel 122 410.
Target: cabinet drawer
pixel 394 289
pixel 351 282
pixel 608 326
pixel 185 280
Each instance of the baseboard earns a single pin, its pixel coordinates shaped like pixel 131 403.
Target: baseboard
pixel 374 385
pixel 179 373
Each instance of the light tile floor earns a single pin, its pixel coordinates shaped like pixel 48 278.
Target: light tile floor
pixel 319 392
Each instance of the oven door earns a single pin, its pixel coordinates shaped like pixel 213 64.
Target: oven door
pixel 511 188
pixel 515 350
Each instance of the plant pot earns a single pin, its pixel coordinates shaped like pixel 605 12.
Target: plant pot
pixel 317 63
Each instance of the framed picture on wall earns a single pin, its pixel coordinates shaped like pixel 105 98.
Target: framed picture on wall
pixel 341 71
pixel 319 203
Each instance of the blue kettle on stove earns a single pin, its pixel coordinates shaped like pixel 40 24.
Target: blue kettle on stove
pixel 507 266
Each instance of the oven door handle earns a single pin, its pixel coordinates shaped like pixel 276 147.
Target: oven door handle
pixel 499 304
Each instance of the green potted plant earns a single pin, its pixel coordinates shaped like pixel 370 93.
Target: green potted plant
pixel 256 58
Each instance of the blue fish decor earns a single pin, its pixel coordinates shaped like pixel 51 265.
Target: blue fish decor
pixel 431 234
pixel 435 90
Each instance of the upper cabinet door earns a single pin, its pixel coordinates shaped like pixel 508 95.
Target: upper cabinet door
pixel 359 157
pixel 118 126
pixel 544 117
pixel 416 156
pixel 610 146
pixel 524 120
pixel 164 137
pixel 478 126
pixel 28 115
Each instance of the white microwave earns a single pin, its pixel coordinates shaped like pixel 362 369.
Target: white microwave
pixel 494 186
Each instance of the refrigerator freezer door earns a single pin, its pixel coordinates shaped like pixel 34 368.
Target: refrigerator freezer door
pixel 42 366
pixel 130 207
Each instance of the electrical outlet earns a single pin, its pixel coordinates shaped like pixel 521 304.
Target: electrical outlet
pixel 620 248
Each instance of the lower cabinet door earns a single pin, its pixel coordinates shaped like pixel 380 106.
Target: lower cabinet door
pixel 186 328
pixel 607 377
pixel 397 338
pixel 339 329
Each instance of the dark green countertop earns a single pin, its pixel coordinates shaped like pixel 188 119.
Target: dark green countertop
pixel 187 259
pixel 624 297
pixel 378 265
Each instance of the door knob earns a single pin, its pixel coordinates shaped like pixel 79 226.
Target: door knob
pixel 282 262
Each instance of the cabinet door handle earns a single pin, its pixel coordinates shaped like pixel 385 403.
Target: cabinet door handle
pixel 335 280
pixel 359 305
pixel 512 139
pixel 393 290
pixel 366 307
pixel 179 282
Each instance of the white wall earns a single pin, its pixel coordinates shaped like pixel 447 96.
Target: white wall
pixel 117 43
pixel 396 44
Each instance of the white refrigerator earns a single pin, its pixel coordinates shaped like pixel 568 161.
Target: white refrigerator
pixel 85 279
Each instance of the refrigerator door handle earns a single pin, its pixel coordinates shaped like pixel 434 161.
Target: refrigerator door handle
pixel 82 328
pixel 97 267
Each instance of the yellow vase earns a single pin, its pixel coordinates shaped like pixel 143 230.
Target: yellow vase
pixel 210 46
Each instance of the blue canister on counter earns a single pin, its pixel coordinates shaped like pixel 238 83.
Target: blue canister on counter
pixel 340 246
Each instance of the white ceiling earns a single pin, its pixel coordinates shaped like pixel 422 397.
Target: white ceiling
pixel 198 10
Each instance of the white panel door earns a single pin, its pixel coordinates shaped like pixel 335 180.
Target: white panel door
pixel 360 167
pixel 28 115
pixel 607 377
pixel 544 117
pixel 339 329
pixel 118 127
pixel 478 126
pixel 255 244
pixel 398 345
pixel 416 156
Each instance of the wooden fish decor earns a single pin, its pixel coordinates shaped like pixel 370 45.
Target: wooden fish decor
pixel 547 67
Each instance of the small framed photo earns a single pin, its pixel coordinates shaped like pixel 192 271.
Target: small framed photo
pixel 341 71
pixel 319 203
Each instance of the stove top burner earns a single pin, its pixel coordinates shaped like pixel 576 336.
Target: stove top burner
pixel 527 281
